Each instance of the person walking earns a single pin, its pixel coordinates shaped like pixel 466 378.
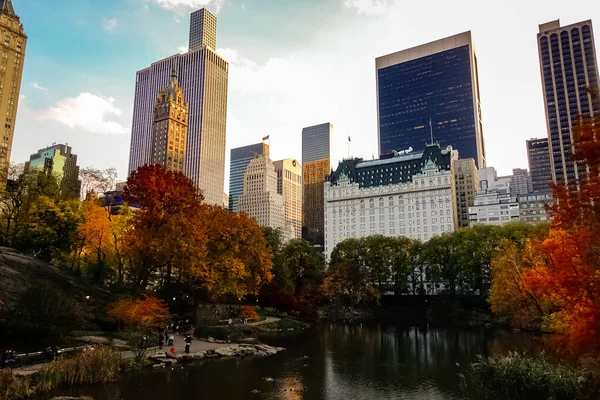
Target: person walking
pixel 161 340
pixel 188 343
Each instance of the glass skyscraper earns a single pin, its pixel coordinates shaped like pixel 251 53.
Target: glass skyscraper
pixel 539 164
pixel 431 90
pixel 240 158
pixel 569 73
pixel 316 145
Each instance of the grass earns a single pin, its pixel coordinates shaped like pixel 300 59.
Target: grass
pixel 92 365
pixel 522 377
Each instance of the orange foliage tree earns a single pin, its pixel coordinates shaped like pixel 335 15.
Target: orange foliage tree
pixel 142 313
pixel 176 236
pixel 567 274
pixel 94 231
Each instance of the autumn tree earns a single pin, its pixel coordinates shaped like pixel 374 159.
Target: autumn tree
pixel 143 313
pixel 94 234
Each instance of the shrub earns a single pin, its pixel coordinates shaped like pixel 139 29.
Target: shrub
pixel 518 376
pixel 249 312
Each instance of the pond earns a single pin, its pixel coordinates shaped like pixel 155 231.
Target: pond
pixel 331 361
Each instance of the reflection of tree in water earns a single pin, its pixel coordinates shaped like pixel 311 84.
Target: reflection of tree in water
pixel 406 357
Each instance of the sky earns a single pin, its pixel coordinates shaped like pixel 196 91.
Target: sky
pixel 292 64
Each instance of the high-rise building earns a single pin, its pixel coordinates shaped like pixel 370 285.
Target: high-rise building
pixel 540 169
pixel 203 77
pixel 260 199
pixel 533 207
pixel 203 30
pixel 569 73
pixel 316 153
pixel 239 160
pixel 520 182
pixel 467 185
pixel 289 185
pixel 432 89
pixel 410 194
pixel 170 127
pixel 58 160
pixel 13 55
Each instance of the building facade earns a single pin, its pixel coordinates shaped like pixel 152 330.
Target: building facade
pixel 239 160
pixel 58 160
pixel 431 90
pixel 533 207
pixel 203 77
pixel 170 127
pixel 520 182
pixel 11 71
pixel 203 30
pixel 289 185
pixel 569 71
pixel 316 153
pixel 260 199
pixel 494 204
pixel 467 185
pixel 538 155
pixel 411 195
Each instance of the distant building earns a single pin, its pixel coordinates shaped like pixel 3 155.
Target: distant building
pixel 569 70
pixel 467 185
pixel 494 204
pixel 59 161
pixel 260 199
pixel 170 127
pixel 411 195
pixel 520 182
pixel 538 155
pixel 533 207
pixel 289 185
pixel 316 154
pixel 14 41
pixel 120 186
pixel 239 160
pixel 203 77
pixel 226 201
pixel 432 87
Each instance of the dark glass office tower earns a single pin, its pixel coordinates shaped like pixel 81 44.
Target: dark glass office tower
pixel 539 164
pixel 569 75
pixel 436 83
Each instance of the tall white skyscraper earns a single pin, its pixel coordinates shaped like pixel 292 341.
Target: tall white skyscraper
pixel 260 199
pixel 203 77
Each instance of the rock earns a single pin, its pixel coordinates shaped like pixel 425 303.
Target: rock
pixel 94 339
pixel 255 391
pixel 211 339
pixel 158 365
pixel 248 340
pixel 269 379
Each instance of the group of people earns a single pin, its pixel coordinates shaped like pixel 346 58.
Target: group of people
pixel 10 359
pixel 170 339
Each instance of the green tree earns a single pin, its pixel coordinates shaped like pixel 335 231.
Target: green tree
pixel 441 260
pixel 304 266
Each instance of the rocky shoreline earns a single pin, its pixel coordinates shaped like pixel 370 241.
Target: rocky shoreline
pixel 232 350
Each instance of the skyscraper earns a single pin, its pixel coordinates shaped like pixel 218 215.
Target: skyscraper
pixel 59 161
pixel 260 199
pixel 203 30
pixel 569 72
pixel 13 54
pixel 316 142
pixel 289 185
pixel 203 77
pixel 170 127
pixel 431 90
pixel 467 185
pixel 240 158
pixel 540 169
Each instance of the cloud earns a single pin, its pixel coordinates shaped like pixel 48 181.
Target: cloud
pixel 186 5
pixel 110 25
pixel 87 111
pixel 38 87
pixel 369 7
pixel 182 49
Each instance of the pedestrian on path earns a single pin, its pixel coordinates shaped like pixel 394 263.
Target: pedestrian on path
pixel 188 343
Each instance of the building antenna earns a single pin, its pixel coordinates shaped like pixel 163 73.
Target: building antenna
pixel 431 130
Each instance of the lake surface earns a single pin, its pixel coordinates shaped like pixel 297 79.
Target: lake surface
pixel 332 361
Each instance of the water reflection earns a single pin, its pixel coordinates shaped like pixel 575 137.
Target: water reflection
pixel 335 361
